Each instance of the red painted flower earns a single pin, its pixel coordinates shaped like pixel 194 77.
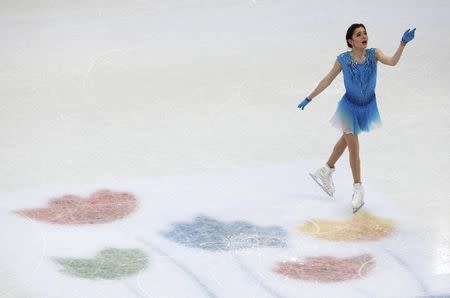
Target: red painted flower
pixel 328 269
pixel 101 207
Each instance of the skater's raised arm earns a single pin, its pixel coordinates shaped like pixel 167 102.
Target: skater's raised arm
pixel 323 84
pixel 380 56
pixel 388 60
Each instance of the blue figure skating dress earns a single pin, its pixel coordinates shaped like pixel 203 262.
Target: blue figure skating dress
pixel 357 110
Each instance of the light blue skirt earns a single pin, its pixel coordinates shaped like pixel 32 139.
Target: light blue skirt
pixel 352 118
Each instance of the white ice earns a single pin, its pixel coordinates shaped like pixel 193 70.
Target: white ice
pixel 191 105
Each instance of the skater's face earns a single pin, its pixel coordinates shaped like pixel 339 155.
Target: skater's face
pixel 359 38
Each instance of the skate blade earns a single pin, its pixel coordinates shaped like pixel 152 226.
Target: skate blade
pixel 356 209
pixel 321 186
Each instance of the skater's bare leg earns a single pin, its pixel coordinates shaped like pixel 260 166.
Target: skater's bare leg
pixel 353 148
pixel 338 149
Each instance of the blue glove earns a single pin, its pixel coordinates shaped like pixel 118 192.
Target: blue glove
pixel 303 104
pixel 408 35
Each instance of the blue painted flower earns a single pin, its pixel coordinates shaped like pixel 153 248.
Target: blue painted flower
pixel 210 234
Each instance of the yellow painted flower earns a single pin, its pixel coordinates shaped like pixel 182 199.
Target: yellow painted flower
pixel 362 226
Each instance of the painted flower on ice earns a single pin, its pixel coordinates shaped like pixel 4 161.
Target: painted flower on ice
pixel 360 227
pixel 109 263
pixel 211 234
pixel 327 269
pixel 101 207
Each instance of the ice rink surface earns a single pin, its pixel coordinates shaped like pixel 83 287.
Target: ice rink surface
pixel 155 149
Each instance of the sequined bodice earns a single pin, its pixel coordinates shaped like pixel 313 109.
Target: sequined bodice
pixel 359 78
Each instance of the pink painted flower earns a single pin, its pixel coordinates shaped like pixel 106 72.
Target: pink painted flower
pixel 327 269
pixel 101 207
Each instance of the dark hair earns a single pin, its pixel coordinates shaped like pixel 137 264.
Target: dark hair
pixel 350 31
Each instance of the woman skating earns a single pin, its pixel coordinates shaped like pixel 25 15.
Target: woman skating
pixel 357 110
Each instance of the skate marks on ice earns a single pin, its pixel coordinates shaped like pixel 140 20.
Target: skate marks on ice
pixel 423 288
pixel 359 227
pixel 102 207
pixel 266 225
pixel 210 234
pixel 196 280
pixel 362 226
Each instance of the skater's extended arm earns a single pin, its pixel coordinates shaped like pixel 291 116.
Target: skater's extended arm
pixel 385 59
pixel 326 81
pixel 380 56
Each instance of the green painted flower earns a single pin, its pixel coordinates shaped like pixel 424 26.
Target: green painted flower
pixel 110 263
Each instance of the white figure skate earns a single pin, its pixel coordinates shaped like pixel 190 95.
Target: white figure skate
pixel 358 197
pixel 323 177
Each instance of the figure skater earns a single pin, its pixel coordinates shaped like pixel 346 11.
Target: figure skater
pixel 357 110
